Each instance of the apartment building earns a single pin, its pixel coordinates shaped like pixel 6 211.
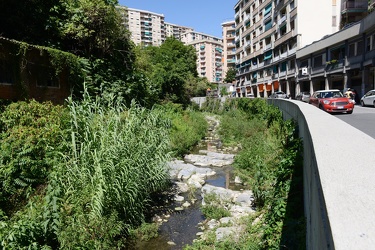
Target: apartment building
pixel 268 34
pixel 147 28
pixel 354 10
pixel 343 59
pixel 175 30
pixel 209 53
pixel 229 46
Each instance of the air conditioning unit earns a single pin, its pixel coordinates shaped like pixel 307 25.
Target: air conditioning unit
pixel 304 71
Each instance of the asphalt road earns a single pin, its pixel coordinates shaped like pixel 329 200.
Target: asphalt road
pixel 362 118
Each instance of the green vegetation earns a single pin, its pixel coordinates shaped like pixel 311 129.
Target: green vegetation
pixel 230 76
pixel 82 176
pixel 188 127
pixel 214 207
pixel 30 134
pixel 270 163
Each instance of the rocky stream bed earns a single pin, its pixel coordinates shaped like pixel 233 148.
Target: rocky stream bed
pixel 206 171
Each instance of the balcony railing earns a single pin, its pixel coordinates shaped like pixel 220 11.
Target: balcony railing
pixel 354 5
pixel 283 19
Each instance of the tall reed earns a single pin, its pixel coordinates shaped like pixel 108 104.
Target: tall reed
pixel 116 158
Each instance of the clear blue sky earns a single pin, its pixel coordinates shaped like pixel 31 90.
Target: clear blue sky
pixel 205 16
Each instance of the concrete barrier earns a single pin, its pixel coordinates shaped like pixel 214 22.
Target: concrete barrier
pixel 339 179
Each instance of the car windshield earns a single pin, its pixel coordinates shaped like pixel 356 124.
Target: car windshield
pixel 331 94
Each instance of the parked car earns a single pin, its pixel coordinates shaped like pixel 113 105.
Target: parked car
pixel 278 94
pixel 332 101
pixel 368 99
pixel 303 96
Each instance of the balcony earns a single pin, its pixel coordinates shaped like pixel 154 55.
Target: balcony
pixel 283 19
pixel 267 47
pixel 284 38
pixel 247 44
pixel 334 65
pixel 267 17
pixel 354 6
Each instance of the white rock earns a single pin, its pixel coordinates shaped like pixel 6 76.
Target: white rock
pixel 182 187
pixel 237 180
pixel 186 204
pixel 179 198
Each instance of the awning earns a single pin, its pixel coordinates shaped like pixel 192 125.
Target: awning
pixel 268 55
pixel 267 9
pixel 269 87
pixel 276 85
pixel 261 87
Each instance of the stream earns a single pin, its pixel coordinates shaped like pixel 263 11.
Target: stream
pixel 180 218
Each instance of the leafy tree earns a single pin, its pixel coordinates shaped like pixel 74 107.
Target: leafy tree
pixel 230 76
pixel 197 86
pixel 170 68
pixel 30 20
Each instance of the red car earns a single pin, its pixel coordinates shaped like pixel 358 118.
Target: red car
pixel 332 101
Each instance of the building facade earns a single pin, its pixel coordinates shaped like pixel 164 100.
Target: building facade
pixel 147 28
pixel 229 46
pixel 354 10
pixel 268 34
pixel 174 30
pixel 341 60
pixel 209 53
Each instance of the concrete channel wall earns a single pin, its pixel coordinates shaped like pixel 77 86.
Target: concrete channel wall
pixel 339 178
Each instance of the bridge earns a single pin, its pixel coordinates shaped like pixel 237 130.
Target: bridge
pixel 339 179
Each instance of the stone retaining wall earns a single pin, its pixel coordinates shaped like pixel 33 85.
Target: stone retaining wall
pixel 339 179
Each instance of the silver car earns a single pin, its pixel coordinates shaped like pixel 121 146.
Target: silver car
pixel 278 94
pixel 303 96
pixel 368 99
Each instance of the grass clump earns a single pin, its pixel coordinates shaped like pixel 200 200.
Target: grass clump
pixel 214 208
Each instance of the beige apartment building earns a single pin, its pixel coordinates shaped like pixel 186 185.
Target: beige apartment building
pixel 209 53
pixel 229 46
pixel 268 34
pixel 147 28
pixel 174 30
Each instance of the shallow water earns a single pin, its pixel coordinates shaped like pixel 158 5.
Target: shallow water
pixel 182 226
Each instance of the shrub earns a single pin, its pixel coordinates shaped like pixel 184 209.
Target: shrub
pixel 188 127
pixel 31 133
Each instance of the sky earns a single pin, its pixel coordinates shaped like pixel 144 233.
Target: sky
pixel 205 16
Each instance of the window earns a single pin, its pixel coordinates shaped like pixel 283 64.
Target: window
pixel 368 44
pixel 318 61
pixel 46 77
pixel 267 25
pixel 292 5
pixel 6 76
pixel 304 64
pixel 292 64
pixel 359 48
pixel 334 21
pixel 351 50
pixel 283 30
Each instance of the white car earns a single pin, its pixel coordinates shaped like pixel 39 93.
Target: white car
pixel 368 99
pixel 278 94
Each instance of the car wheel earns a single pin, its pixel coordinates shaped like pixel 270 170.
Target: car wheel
pixel 321 107
pixel 349 112
pixel 362 104
pixel 374 104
